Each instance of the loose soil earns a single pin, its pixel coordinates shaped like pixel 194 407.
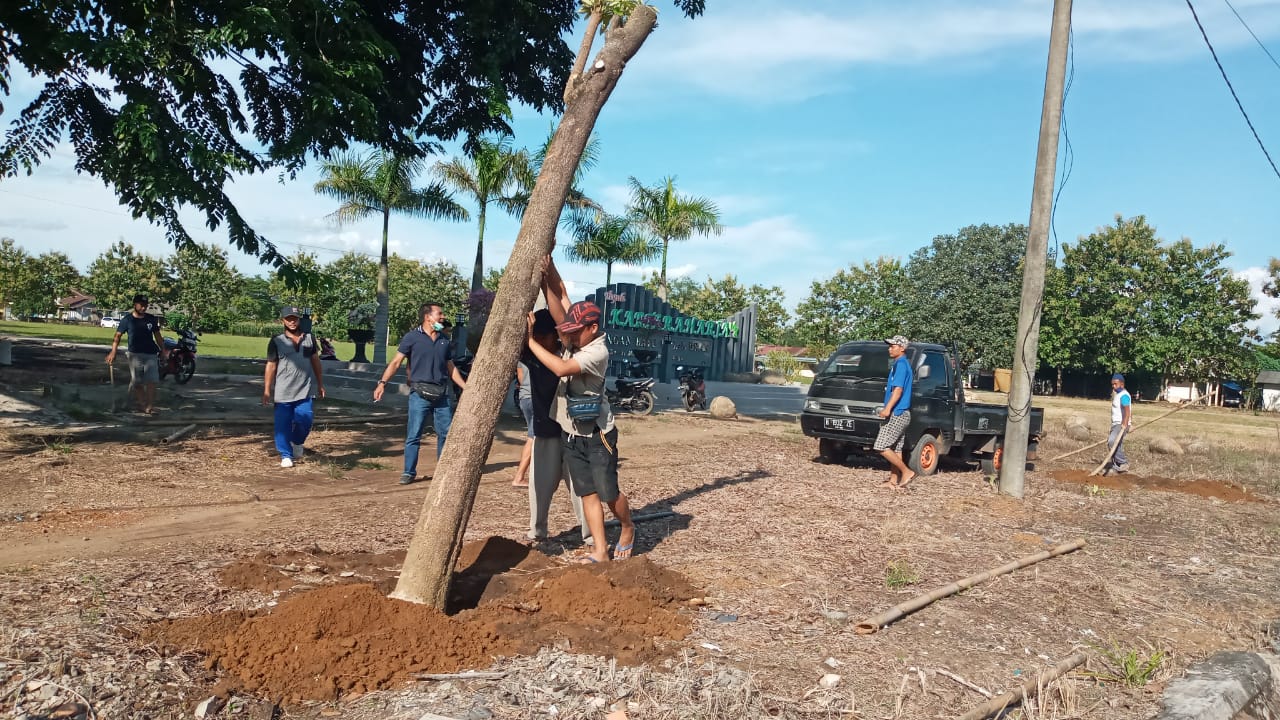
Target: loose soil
pixel 337 641
pixel 1126 481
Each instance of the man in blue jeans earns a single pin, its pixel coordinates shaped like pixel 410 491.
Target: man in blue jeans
pixel 292 378
pixel 430 357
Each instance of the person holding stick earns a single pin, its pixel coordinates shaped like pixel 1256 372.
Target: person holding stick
pixel 1121 424
pixel 146 351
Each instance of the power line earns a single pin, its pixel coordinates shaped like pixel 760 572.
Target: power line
pixel 1255 37
pixel 1240 105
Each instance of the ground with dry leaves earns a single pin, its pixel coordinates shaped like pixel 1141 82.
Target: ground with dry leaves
pixel 104 534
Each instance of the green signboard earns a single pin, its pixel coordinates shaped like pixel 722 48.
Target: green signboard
pixel 679 324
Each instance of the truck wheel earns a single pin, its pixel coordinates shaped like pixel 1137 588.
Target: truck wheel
pixel 925 455
pixel 991 465
pixel 831 452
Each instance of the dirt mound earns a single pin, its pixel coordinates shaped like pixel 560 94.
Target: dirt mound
pixel 1126 481
pixel 349 639
pixel 268 572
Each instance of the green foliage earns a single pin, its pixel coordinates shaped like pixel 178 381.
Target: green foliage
pixel 783 362
pixel 1131 668
pixel 120 272
pixel 492 277
pixel 599 237
pixel 491 173
pixel 41 281
pixel 719 299
pixel 167 107
pixel 179 321
pixel 301 288
pixel 348 281
pixel 254 329
pixel 256 302
pixel 667 215
pixel 900 574
pixel 15 271
pixel 201 280
pixel 965 288
pixel 417 282
pixel 866 301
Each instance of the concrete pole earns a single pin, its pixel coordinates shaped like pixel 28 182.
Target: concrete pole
pixel 1026 345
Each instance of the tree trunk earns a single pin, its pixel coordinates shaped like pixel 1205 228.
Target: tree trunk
pixel 437 538
pixel 1057 390
pixel 662 280
pixel 384 298
pixel 477 272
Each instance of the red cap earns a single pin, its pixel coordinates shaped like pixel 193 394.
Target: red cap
pixel 580 315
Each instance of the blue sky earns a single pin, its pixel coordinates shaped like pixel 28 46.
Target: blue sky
pixel 834 132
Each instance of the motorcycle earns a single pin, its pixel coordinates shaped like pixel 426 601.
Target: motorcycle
pixel 181 361
pixel 693 388
pixel 634 393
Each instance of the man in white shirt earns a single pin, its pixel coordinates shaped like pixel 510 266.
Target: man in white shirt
pixel 1121 423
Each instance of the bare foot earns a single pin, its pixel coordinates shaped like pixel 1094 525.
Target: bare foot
pixel 891 483
pixel 520 482
pixel 906 480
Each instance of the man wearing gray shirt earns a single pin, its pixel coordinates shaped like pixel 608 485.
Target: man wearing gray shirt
pixel 292 378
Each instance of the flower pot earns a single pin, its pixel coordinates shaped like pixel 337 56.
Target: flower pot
pixel 361 338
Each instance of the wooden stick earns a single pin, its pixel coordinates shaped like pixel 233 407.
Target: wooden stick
pixel 976 688
pixel 177 433
pixel 873 624
pixel 1028 689
pixel 1102 442
pixel 642 518
pixel 461 676
pixel 83 700
pixel 1110 453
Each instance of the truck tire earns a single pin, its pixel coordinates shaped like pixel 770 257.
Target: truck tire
pixel 991 464
pixel 831 452
pixel 925 455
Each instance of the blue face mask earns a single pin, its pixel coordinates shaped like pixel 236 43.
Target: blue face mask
pixel 437 327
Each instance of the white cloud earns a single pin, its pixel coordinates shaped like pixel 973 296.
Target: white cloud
pixel 1268 307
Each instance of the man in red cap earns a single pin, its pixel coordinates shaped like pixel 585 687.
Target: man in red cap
pixel 581 407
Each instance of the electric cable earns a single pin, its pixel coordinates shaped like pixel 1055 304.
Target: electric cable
pixel 1251 32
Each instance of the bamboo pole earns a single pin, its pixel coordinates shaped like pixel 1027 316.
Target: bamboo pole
pixel 177 433
pixel 1103 442
pixel 1029 688
pixel 1110 453
pixel 873 624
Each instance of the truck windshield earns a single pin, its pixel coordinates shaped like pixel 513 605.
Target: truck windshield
pixel 858 361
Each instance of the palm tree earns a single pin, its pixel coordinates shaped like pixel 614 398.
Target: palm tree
pixel 381 183
pixel 577 200
pixel 668 216
pixel 491 173
pixel 599 237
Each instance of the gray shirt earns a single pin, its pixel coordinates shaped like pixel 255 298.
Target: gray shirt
pixel 526 390
pixel 593 358
pixel 295 378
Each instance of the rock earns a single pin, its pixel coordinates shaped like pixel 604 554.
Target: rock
pixel 153 666
pixel 479 713
pixel 1164 445
pixel 1079 433
pixel 1078 419
pixel 1198 447
pixel 723 408
pixel 773 377
pixel 835 615
pixel 829 681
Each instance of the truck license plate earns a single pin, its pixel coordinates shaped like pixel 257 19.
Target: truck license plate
pixel 840 423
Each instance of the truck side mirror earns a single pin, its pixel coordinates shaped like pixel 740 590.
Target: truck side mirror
pixel 924 371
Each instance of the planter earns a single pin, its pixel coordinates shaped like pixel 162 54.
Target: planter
pixel 360 338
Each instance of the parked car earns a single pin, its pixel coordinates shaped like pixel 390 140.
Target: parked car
pixel 848 390
pixel 109 321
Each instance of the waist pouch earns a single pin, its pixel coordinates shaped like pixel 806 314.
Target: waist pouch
pixel 582 407
pixel 428 391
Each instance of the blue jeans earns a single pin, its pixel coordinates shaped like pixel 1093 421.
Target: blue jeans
pixel 442 418
pixel 293 424
pixel 1119 458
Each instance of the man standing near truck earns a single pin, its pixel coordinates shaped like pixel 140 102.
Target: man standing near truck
pixel 897 414
pixel 1121 423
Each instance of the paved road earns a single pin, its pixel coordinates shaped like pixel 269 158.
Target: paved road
pixel 758 401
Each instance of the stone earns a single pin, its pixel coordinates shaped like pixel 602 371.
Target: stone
pixel 1198 447
pixel 835 615
pixel 1164 445
pixel 210 706
pixel 723 408
pixel 1079 433
pixel 1222 687
pixel 830 681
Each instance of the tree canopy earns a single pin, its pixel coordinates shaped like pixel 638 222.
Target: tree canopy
pixel 168 106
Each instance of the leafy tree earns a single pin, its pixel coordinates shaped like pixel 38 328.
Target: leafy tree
pixel 120 272
pixel 381 183
pixel 680 290
pixel 350 282
pixel 167 107
pixel 255 301
pixel 492 277
pixel 15 271
pixel 718 299
pixel 491 173
pixel 866 301
pixel 303 287
pixel 417 282
pixel 201 280
pixel 577 199
pixel 52 276
pixel 668 215
pixel 599 237
pixel 1272 287
pixel 965 288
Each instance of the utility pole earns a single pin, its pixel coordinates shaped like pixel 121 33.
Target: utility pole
pixel 1026 345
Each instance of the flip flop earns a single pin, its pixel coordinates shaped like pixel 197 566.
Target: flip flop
pixel 586 560
pixel 623 552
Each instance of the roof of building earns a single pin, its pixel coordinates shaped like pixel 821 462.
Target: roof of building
pixel 1269 377
pixel 76 300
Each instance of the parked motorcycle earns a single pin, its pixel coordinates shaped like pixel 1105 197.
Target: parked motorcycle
pixel 634 393
pixel 181 362
pixel 693 388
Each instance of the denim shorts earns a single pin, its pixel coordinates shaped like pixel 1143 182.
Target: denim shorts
pixel 526 407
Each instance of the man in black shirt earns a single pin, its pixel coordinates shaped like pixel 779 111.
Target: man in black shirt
pixel 146 351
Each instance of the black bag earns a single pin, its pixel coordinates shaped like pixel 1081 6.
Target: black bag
pixel 428 391
pixel 582 407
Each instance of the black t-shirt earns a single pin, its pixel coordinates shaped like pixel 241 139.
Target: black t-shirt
pixel 141 332
pixel 542 390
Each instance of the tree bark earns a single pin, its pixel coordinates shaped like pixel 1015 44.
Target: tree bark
pixel 384 297
pixel 477 272
pixel 437 538
pixel 662 281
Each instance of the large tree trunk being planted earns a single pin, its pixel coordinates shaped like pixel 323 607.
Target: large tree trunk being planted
pixel 437 539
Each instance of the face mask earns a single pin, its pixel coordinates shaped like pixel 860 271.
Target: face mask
pixel 437 327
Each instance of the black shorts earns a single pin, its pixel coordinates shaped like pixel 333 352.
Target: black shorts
pixel 593 464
